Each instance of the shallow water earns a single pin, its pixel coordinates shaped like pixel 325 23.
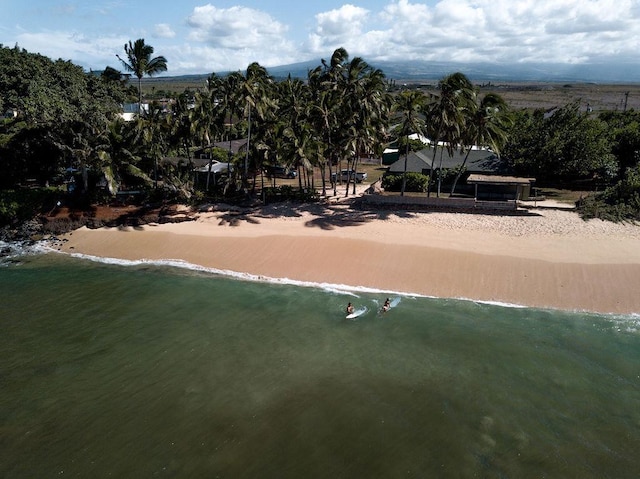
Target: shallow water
pixel 143 371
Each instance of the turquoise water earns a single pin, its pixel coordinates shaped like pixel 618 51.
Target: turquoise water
pixel 111 370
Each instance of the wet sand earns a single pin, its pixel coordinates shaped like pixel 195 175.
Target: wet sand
pixel 545 258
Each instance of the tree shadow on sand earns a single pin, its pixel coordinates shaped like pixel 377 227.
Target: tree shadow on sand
pixel 234 218
pixel 330 216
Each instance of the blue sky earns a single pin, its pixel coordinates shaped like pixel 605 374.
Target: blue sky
pixel 200 37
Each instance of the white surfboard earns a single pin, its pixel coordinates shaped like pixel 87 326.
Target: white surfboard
pixel 357 312
pixel 392 304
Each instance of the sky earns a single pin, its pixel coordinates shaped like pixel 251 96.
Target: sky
pixel 197 37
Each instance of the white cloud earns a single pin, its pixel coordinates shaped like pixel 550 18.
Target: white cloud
pixel 234 28
pixel 220 39
pixel 223 39
pixel 345 22
pixel 337 28
pixel 88 51
pixel 163 30
pixel 485 30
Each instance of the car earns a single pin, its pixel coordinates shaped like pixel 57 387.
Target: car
pixel 215 167
pixel 345 175
pixel 280 172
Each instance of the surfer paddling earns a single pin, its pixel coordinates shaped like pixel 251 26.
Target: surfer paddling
pixel 386 306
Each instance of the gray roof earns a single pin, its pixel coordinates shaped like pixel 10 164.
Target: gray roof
pixel 499 180
pixel 479 161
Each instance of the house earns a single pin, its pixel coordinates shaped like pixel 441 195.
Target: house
pixel 389 156
pixel 479 161
pixel 484 177
pixel 130 111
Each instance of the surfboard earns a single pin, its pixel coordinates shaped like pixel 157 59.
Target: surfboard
pixel 392 304
pixel 357 312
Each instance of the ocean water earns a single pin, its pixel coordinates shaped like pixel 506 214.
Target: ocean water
pixel 143 370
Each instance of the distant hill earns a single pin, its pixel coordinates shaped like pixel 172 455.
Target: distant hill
pixel 418 70
pixel 414 71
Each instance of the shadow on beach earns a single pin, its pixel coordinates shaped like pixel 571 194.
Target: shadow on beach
pixel 345 213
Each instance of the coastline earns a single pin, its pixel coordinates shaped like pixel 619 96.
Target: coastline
pixel 545 259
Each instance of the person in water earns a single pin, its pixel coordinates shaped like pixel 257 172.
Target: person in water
pixel 349 308
pixel 386 306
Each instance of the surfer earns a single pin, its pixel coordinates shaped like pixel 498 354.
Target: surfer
pixel 349 308
pixel 386 306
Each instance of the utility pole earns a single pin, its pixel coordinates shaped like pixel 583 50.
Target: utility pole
pixel 626 99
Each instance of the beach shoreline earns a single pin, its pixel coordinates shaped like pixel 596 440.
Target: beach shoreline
pixel 542 258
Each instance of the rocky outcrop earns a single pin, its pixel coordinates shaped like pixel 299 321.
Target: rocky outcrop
pixel 65 221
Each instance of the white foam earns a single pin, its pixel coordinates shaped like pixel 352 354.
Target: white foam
pixel 496 303
pixel 17 249
pixel 629 323
pixel 342 289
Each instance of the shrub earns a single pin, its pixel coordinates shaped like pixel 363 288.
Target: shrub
pixel 620 202
pixel 416 182
pixel 289 193
pixel 24 204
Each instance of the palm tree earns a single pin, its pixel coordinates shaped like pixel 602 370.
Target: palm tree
pixel 362 107
pixel 255 93
pixel 295 111
pixel 230 103
pixel 115 159
pixel 447 116
pixel 368 100
pixel 152 132
pixel 409 104
pixel 326 84
pixel 322 119
pixel 208 116
pixel 181 120
pixel 487 126
pixel 140 63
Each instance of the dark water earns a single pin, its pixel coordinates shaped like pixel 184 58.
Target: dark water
pixel 151 371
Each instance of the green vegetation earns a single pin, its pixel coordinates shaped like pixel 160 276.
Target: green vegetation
pixel 408 182
pixel 24 204
pixel 570 148
pixel 566 145
pixel 67 131
pixel 619 202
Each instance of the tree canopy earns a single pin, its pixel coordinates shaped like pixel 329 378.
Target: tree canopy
pixel 61 108
pixel 67 119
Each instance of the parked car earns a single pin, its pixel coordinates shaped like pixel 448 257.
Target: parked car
pixel 280 172
pixel 345 175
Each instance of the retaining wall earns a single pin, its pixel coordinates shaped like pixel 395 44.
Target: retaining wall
pixel 413 202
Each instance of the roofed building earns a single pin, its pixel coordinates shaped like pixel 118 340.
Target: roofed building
pixel 479 161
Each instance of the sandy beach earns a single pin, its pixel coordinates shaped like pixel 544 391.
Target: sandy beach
pixel 543 258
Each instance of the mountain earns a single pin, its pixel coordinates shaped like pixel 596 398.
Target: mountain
pixel 550 72
pixel 416 71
